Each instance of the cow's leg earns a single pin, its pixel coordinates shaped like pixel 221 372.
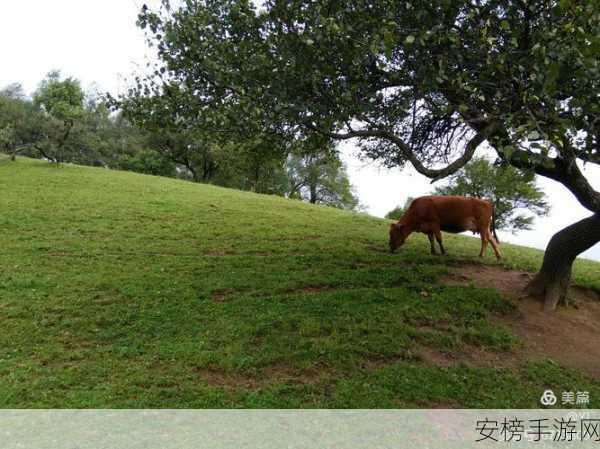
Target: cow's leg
pixel 430 235
pixel 492 240
pixel 438 237
pixel 484 242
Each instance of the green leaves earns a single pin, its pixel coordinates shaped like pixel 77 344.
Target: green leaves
pixel 438 70
pixel 389 42
pixel 62 99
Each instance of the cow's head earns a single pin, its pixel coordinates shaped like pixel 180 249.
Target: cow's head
pixel 398 234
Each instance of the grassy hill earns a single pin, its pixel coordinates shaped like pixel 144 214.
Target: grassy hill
pixel 124 290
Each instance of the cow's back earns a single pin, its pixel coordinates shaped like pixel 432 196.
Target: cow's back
pixel 453 213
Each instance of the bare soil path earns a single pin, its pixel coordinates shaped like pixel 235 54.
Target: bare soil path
pixel 570 335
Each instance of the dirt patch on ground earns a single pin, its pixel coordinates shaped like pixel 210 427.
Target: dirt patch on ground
pixel 106 300
pixel 60 364
pixel 302 238
pixel 570 335
pixel 221 294
pixel 469 354
pixel 310 289
pixel 277 372
pixel 219 253
pixel 507 282
pixel 219 378
pixel 377 248
pixel 282 371
pixel 375 364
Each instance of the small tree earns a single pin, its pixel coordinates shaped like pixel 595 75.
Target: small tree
pixel 316 174
pixel 149 162
pixel 512 192
pixel 22 125
pixel 62 103
pixel 320 178
pixel 398 211
pixel 255 164
pixel 186 148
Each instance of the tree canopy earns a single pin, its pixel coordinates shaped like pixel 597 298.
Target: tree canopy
pixel 62 99
pixel 415 81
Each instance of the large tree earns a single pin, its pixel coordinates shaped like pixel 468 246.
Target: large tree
pixel 419 82
pixel 513 192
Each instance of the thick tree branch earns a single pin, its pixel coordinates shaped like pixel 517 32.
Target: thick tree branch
pixel 20 149
pixel 296 187
pixel 585 156
pixel 407 153
pixel 564 171
pixel 44 154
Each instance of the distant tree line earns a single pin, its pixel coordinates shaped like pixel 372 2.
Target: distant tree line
pixel 60 122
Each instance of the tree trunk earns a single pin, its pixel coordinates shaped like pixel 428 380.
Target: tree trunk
pixel 256 177
pixel 208 166
pixel 313 193
pixel 193 171
pixel 552 281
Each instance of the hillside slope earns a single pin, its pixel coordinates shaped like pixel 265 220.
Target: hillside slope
pixel 124 290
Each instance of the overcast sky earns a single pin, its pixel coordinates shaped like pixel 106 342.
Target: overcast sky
pixel 99 43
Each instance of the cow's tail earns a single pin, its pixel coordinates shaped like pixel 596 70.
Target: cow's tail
pixel 494 223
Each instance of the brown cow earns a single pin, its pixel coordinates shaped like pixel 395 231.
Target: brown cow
pixel 432 214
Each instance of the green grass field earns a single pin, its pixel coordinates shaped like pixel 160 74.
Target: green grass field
pixel 124 290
